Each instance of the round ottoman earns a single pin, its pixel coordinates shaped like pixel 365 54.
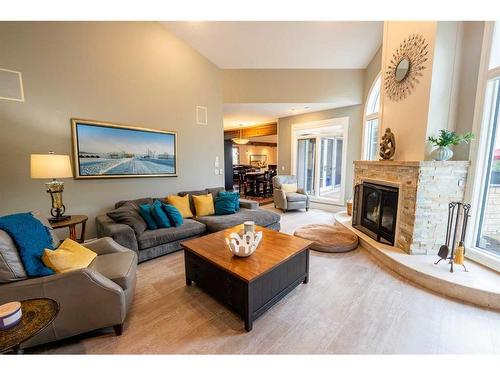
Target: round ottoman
pixel 328 238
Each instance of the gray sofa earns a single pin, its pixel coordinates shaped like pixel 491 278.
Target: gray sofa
pixel 90 298
pixel 154 243
pixel 289 201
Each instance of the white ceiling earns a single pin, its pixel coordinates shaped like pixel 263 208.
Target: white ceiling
pixel 250 114
pixel 282 45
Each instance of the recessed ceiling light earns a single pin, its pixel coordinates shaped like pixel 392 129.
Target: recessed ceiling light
pixel 306 107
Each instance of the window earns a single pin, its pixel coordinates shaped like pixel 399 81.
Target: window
pixel 485 238
pixel 236 155
pixel 488 229
pixel 371 129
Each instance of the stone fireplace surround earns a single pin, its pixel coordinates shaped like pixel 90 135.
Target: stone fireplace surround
pixel 425 189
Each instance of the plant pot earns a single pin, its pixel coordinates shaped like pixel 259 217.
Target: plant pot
pixel 441 154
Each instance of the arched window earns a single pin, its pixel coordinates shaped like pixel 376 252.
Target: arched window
pixel 371 129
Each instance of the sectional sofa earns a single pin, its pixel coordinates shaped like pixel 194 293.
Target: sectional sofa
pixel 154 243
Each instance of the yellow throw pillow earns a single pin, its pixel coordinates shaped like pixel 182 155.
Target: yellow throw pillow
pixel 289 188
pixel 69 256
pixel 204 204
pixel 182 204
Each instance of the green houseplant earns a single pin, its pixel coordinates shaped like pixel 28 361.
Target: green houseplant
pixel 446 139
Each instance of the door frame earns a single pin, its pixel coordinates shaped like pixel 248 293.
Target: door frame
pixel 315 125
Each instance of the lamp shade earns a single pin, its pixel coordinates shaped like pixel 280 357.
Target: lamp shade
pixel 50 166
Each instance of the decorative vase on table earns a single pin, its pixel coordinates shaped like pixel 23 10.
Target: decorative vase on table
pixel 441 154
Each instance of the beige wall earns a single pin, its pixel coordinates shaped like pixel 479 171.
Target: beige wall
pixel 408 118
pixel 355 115
pixel 469 72
pixel 371 72
pixel 247 150
pixel 132 73
pixel 343 87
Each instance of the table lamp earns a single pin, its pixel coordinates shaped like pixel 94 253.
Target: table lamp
pixel 53 166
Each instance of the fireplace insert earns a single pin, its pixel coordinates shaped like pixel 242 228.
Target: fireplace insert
pixel 375 210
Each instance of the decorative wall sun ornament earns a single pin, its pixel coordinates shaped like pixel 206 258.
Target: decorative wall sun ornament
pixel 405 68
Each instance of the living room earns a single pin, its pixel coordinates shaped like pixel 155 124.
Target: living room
pixel 249 186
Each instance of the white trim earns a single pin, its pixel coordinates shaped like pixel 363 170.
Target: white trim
pixel 477 171
pixel 338 121
pixel 20 86
pixel 483 257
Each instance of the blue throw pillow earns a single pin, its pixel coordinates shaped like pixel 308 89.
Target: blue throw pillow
pixel 145 211
pixel 234 195
pixel 224 205
pixel 173 214
pixel 159 215
pixel 31 238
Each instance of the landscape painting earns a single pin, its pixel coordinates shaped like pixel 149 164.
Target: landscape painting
pixel 105 150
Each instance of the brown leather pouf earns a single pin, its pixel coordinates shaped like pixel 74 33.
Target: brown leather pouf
pixel 328 238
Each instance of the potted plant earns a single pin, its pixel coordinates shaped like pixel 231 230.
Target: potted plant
pixel 446 139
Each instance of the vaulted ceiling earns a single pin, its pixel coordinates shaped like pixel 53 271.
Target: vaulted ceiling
pixel 282 45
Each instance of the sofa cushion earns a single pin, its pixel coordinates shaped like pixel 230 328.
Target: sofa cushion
pixel 159 215
pixel 191 193
pixel 215 191
pixel 137 202
pixel 117 267
pixel 261 217
pixel 147 215
pixel 182 203
pixel 162 236
pixel 128 214
pixel 173 214
pixel 42 219
pixel 11 267
pixel 204 204
pixel 69 256
pixel 224 205
pixel 295 197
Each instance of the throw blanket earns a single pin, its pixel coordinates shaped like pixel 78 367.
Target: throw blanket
pixel 31 238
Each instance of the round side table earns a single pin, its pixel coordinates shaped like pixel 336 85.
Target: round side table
pixel 71 223
pixel 38 313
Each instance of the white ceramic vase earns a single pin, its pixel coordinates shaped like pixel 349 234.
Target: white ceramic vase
pixel 441 154
pixel 245 245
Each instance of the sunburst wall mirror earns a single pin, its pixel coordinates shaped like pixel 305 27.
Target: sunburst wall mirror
pixel 405 68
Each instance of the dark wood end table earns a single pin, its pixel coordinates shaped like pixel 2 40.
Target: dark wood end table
pixel 71 223
pixel 37 313
pixel 249 286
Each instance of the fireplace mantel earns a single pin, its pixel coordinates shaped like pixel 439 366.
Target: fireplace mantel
pixel 411 163
pixel 426 188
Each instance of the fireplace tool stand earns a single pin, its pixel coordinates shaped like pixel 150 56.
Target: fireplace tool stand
pixel 450 251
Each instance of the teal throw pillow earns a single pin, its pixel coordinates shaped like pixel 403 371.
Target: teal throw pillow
pixel 145 211
pixel 173 214
pixel 234 195
pixel 159 215
pixel 224 205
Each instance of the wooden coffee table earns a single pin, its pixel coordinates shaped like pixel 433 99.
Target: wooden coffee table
pixel 249 286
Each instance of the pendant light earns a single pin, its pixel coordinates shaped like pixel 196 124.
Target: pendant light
pixel 240 140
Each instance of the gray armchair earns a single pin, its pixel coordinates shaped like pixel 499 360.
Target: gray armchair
pixel 289 201
pixel 90 298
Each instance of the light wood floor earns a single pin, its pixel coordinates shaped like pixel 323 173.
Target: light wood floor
pixel 351 305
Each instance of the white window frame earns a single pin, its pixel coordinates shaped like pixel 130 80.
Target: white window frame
pixel 478 168
pixel 369 104
pixel 339 121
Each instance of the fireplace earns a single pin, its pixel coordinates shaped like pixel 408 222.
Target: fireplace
pixel 375 210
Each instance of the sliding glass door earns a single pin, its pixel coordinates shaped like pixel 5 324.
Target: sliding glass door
pixel 319 166
pixel 306 161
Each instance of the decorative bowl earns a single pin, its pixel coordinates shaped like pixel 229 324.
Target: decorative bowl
pixel 244 245
pixel 10 315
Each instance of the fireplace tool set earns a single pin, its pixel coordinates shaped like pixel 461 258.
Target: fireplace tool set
pixel 450 251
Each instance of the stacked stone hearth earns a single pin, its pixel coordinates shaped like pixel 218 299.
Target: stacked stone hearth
pixel 425 189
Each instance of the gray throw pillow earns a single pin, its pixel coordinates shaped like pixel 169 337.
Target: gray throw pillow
pixel 11 267
pixel 129 214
